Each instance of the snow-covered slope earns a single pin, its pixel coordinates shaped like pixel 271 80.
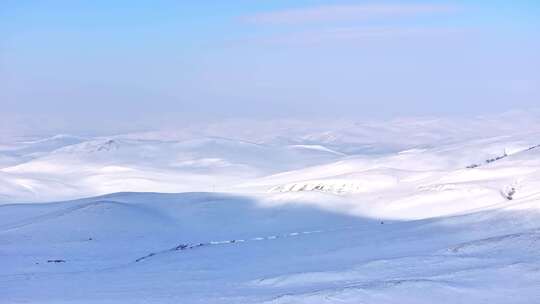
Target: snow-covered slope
pixel 418 183
pixel 106 165
pixel 355 214
pixel 237 158
pixel 214 248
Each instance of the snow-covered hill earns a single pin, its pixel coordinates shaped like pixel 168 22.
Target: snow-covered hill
pixel 214 248
pixel 283 156
pixel 105 165
pixel 355 214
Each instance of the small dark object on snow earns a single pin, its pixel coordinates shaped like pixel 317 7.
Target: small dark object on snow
pixel 181 247
pixel 382 223
pixel 56 261
pixel 90 239
pixel 510 194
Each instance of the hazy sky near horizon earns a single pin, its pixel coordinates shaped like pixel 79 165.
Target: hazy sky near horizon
pixel 84 65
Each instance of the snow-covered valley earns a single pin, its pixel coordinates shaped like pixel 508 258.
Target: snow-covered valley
pixel 345 213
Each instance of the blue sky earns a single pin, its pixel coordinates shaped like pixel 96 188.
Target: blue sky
pixel 125 63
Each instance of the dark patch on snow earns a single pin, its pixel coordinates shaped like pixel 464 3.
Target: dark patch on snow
pixel 494 159
pixel 56 261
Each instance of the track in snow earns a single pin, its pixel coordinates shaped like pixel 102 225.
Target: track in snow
pixel 182 247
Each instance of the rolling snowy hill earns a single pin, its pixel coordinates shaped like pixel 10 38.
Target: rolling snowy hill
pixel 213 248
pixel 303 216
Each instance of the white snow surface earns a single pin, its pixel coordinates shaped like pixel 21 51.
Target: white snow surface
pixel 343 213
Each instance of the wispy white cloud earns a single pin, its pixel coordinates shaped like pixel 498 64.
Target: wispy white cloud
pixel 363 33
pixel 353 34
pixel 332 13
